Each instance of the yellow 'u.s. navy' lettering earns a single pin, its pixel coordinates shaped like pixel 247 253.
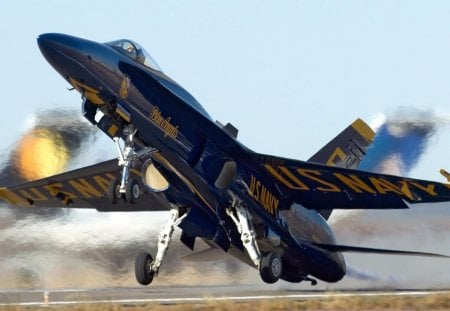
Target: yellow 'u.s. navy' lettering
pixel 11 197
pixel 309 174
pixel 312 179
pixel 102 182
pixel 263 196
pixel 85 188
pixel 33 194
pixel 55 190
pixel 428 188
pixel 96 186
pixel 383 186
pixel 299 185
pixel 354 183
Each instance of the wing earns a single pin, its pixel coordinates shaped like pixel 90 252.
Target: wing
pixel 87 187
pixel 319 187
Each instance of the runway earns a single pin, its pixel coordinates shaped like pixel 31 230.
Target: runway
pixel 181 295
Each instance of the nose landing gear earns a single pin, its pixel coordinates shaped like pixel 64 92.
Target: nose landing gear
pixel 143 268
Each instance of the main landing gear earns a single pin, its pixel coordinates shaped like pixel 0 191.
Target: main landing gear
pixel 269 264
pixel 145 267
pixel 126 188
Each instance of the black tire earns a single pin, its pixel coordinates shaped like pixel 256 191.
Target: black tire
pixel 114 194
pixel 133 191
pixel 271 267
pixel 142 268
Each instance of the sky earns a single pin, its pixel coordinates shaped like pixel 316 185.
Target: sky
pixel 289 75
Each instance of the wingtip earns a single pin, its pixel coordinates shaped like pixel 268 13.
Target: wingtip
pixel 364 130
pixel 445 174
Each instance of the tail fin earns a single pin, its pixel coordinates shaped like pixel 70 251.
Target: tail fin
pixel 346 150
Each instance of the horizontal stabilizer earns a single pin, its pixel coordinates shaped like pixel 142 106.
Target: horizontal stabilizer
pixel 347 248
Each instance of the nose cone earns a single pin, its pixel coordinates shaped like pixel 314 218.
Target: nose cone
pixel 50 40
pixel 67 54
pixel 60 50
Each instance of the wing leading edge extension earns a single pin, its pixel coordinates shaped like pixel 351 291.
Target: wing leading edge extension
pixel 320 187
pixel 87 187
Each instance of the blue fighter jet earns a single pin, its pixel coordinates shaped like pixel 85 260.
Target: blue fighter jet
pixel 267 211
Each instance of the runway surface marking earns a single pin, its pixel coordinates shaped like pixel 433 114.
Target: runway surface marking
pixel 199 298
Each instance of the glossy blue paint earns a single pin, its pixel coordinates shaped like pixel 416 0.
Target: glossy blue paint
pixel 190 144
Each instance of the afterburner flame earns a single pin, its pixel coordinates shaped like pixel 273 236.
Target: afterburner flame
pixel 41 153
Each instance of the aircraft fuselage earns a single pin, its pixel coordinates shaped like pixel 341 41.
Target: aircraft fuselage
pixel 191 150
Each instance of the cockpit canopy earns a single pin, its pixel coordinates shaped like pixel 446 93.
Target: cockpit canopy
pixel 135 52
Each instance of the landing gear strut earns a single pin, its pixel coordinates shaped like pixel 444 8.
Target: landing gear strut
pixel 270 264
pixel 126 187
pixel 145 267
pixel 244 226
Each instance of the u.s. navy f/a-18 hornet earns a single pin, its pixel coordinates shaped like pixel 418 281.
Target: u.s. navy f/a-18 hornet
pixel 267 211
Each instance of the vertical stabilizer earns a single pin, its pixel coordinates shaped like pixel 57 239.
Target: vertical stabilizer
pixel 346 150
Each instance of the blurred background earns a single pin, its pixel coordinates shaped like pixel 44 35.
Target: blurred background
pixel 289 75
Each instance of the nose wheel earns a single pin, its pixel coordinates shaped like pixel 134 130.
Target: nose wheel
pixel 143 268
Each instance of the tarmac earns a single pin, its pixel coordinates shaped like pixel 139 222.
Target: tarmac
pixel 180 295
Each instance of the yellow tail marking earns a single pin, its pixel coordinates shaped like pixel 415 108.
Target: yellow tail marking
pixel 364 130
pixel 338 155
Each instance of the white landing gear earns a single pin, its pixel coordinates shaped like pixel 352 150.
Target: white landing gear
pixel 126 187
pixel 269 264
pixel 145 267
pixel 242 220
